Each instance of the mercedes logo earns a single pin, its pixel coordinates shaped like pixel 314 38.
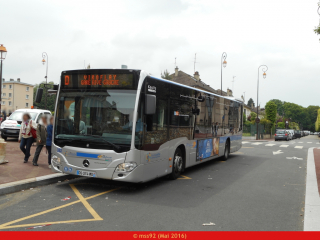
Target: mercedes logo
pixel 86 163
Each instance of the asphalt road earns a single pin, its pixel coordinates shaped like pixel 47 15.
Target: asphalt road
pixel 261 187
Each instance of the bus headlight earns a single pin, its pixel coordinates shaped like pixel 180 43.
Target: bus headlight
pixel 55 160
pixel 126 167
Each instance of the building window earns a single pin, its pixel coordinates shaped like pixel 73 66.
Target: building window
pixel 10 86
pixel 27 96
pixel 27 104
pixel 10 94
pixel 10 103
pixel 3 94
pixel 27 89
pixel 3 103
pixel 4 86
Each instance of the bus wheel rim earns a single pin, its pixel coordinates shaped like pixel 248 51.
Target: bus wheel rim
pixel 178 163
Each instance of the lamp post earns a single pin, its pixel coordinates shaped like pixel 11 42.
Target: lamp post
pixel 264 69
pixel 45 55
pixel 3 53
pixel 224 64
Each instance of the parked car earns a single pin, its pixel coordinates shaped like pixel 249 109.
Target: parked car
pixel 11 126
pixel 291 131
pixel 297 133
pixel 281 134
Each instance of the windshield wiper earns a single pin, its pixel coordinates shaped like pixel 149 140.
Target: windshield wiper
pixel 100 137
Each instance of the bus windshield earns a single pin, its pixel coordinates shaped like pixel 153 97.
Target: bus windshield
pixel 95 118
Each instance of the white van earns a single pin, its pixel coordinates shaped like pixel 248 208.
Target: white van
pixel 11 126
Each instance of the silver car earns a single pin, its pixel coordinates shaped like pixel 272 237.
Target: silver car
pixel 282 134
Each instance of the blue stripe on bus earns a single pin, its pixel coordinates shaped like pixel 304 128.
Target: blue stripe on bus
pixel 88 155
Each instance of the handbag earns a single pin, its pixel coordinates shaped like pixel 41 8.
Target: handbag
pixel 33 131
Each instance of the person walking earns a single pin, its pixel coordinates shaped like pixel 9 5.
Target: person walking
pixel 49 140
pixel 25 135
pixel 41 138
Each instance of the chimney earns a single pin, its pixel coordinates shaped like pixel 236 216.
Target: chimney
pixel 176 71
pixel 18 79
pixel 11 79
pixel 196 75
pixel 229 92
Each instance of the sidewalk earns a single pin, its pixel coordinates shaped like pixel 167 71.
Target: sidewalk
pixel 312 199
pixel 16 175
pixel 252 138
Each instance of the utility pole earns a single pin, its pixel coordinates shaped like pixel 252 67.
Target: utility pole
pixel 194 63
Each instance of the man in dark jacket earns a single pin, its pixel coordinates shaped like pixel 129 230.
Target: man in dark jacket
pixel 41 138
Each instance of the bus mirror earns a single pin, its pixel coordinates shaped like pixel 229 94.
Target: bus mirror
pixel 56 87
pixel 39 95
pixel 150 104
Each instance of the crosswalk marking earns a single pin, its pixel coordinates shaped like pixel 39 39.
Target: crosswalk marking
pixel 244 142
pixel 256 143
pixel 300 147
pixel 284 145
pixel 270 145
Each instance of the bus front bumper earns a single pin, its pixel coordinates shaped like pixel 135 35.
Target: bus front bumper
pixel 106 173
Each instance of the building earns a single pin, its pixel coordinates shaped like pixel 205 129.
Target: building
pixel 195 81
pixel 15 95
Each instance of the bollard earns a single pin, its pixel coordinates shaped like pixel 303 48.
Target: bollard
pixel 2 151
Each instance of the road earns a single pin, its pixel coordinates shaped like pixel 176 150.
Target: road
pixel 261 187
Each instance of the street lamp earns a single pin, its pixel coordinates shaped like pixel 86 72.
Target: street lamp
pixel 224 64
pixel 3 54
pixel 264 69
pixel 45 55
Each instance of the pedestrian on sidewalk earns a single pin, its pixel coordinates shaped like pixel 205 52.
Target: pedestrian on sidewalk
pixel 25 135
pixel 49 140
pixel 41 138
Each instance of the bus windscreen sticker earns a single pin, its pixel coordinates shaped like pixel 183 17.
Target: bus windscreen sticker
pixel 207 148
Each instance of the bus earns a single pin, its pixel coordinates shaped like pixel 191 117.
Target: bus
pixel 127 125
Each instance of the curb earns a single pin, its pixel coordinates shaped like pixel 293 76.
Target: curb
pixel 16 186
pixel 312 199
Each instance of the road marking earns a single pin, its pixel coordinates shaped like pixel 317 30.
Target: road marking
pixel 184 177
pixel 284 146
pixel 96 217
pixel 277 152
pixel 317 143
pixel 244 142
pixel 309 142
pixel 270 145
pixel 256 143
pixel 298 147
pixel 294 158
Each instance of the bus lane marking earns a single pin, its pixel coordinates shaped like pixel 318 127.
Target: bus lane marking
pixel 184 177
pixel 83 200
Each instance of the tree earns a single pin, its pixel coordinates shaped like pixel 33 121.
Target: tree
pixel 253 117
pixel 165 75
pixel 251 103
pixel 244 119
pixel 271 111
pixel 89 67
pixel 279 103
pixel 51 99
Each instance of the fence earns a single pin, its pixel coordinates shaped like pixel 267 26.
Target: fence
pixel 265 130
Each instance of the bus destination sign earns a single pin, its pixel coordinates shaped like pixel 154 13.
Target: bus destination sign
pixel 75 81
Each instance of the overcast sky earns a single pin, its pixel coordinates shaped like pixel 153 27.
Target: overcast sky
pixel 149 34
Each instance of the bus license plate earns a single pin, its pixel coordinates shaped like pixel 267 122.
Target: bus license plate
pixel 86 173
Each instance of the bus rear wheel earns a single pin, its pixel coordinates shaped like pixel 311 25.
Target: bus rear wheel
pixel 226 151
pixel 177 164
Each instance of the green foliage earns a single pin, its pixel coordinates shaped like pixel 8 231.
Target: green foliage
pixel 271 112
pixel 317 125
pixel 279 103
pixel 253 117
pixel 51 99
pixel 281 125
pixel 244 118
pixel 251 102
pixel 166 75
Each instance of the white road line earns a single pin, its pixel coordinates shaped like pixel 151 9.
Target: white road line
pixel 300 142
pixel 284 145
pixel 300 147
pixel 244 142
pixel 256 143
pixel 312 207
pixel 270 145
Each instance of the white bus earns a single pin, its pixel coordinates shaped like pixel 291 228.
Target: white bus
pixel 126 125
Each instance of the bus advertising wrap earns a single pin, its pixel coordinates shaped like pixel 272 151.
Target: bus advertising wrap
pixel 207 148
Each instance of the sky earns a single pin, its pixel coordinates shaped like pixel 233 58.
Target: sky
pixel 150 34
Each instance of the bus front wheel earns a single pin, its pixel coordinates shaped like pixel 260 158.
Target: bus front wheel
pixel 177 164
pixel 226 151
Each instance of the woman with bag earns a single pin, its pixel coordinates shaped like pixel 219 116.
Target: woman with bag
pixel 26 135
